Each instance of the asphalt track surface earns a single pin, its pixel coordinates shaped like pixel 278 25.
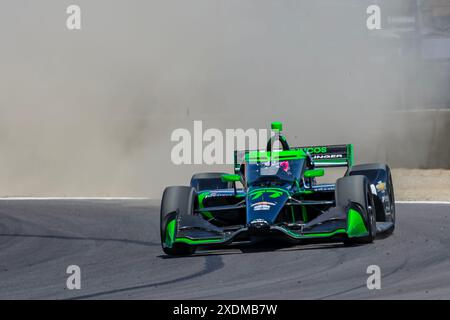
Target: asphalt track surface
pixel 116 245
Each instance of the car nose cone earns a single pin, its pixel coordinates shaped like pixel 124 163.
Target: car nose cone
pixel 258 226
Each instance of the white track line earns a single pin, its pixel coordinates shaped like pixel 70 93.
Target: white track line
pixel 423 202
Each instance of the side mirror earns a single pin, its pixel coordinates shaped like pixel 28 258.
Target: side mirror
pixel 314 173
pixel 230 178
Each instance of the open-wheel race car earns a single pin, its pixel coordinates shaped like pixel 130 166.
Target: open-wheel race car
pixel 279 197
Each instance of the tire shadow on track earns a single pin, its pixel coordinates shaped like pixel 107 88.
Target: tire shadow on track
pixel 71 238
pixel 212 264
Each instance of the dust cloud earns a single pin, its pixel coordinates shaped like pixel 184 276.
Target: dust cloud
pixel 90 112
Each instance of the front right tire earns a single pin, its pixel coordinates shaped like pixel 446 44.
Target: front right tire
pixel 379 174
pixel 356 189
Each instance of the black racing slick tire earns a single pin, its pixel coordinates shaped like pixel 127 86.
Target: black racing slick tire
pixel 176 201
pixel 356 190
pixel 379 174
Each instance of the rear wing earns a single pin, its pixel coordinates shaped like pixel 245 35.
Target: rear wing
pixel 339 155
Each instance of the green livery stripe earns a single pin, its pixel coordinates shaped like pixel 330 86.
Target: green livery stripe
pixel 197 241
pixel 201 197
pixel 305 192
pixel 315 235
pixel 170 233
pixel 350 154
pixel 304 214
pixel 292 234
pixel 265 156
pixel 355 228
pixel 326 234
pixel 355 225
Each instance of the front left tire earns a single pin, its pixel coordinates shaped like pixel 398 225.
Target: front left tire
pixel 176 201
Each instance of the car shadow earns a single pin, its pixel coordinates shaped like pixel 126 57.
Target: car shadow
pixel 249 248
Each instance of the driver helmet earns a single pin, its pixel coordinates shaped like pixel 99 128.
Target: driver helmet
pixel 284 165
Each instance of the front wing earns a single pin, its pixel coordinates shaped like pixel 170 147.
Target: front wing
pixel 334 225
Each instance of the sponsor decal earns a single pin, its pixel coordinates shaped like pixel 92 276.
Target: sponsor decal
pixel 262 206
pixel 316 150
pixel 222 193
pixel 328 156
pixel 331 188
pixel 381 186
pixel 273 193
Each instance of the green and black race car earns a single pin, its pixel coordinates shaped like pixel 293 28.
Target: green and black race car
pixel 280 198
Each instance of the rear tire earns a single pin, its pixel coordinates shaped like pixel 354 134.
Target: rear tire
pixel 356 189
pixel 176 201
pixel 209 181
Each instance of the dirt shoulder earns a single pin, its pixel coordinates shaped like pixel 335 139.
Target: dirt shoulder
pixel 418 184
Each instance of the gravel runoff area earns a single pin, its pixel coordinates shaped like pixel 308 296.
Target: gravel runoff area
pixel 421 184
